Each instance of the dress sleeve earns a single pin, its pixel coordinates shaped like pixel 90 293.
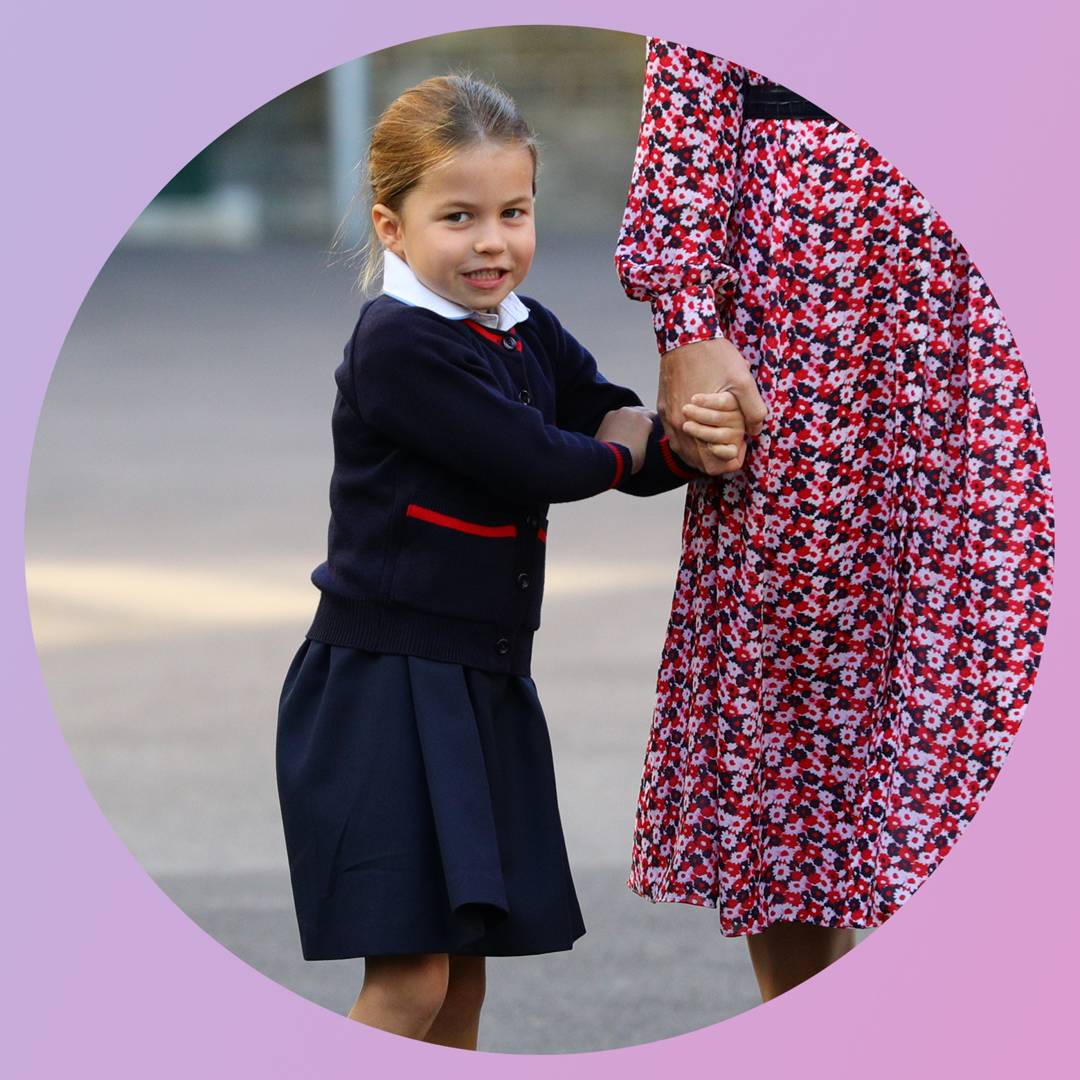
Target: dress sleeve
pixel 675 227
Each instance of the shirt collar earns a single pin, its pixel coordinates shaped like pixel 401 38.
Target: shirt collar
pixel 402 284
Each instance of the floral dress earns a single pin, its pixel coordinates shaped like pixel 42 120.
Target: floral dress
pixel 859 611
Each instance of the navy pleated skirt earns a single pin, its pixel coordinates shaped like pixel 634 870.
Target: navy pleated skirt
pixel 419 806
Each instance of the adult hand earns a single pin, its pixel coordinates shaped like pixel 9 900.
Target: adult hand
pixel 705 367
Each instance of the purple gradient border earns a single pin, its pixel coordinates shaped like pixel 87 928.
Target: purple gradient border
pixel 102 976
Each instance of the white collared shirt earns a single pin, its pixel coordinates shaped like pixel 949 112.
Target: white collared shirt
pixel 402 284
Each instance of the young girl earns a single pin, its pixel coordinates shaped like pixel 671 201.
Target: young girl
pixel 414 767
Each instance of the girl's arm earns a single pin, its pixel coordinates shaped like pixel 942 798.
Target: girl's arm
pixel 663 469
pixel 674 233
pixel 586 399
pixel 420 390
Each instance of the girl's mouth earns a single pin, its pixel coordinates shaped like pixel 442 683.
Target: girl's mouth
pixel 485 279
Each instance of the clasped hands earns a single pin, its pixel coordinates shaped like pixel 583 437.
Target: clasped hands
pixel 708 402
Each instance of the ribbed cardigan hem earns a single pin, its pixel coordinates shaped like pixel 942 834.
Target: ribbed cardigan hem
pixel 364 623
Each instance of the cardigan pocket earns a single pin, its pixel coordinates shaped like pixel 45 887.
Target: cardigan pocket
pixel 461 566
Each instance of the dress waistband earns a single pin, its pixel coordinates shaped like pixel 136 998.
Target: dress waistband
pixel 773 102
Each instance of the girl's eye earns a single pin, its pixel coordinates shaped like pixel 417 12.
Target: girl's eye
pixel 456 216
pixel 514 212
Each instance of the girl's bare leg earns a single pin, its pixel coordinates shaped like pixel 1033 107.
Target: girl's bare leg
pixel 402 994
pixel 458 1022
pixel 789 953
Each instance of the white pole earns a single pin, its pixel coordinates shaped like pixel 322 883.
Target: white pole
pixel 347 120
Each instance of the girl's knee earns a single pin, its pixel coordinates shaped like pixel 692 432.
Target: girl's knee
pixel 413 984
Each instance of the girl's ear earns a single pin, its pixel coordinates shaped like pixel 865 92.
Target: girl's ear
pixel 389 229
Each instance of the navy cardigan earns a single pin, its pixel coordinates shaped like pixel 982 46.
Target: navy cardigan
pixel 450 441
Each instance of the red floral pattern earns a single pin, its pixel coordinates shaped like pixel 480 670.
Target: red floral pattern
pixel 859 611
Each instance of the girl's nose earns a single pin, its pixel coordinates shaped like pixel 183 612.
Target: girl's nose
pixel 489 239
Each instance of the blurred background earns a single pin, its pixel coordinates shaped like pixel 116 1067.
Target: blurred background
pixel 178 502
pixel 286 173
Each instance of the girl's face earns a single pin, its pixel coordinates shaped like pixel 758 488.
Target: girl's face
pixel 467 229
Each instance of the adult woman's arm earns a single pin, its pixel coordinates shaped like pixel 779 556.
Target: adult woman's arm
pixel 675 228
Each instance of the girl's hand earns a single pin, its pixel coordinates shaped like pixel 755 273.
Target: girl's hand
pixel 718 424
pixel 631 427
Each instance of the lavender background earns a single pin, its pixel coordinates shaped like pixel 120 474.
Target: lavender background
pixel 102 975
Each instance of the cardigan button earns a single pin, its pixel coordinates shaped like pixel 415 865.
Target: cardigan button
pixel 523 581
pixel 524 397
pixel 502 646
pixel 532 521
pixel 509 342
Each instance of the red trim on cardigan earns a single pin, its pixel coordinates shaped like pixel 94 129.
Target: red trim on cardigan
pixel 672 464
pixel 492 335
pixel 618 463
pixel 542 535
pixel 424 514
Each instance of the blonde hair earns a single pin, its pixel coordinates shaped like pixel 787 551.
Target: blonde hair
pixel 424 128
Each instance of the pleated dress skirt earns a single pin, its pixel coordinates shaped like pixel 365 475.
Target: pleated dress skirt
pixel 420 812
